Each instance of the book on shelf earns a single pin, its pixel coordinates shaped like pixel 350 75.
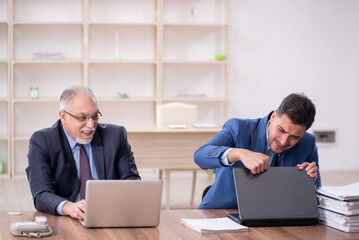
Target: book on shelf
pixel 214 225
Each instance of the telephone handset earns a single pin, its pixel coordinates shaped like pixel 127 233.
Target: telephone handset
pixel 39 228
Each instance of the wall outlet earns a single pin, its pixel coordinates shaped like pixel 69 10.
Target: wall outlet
pixel 324 136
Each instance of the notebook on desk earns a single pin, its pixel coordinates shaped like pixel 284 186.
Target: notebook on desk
pixel 280 196
pixel 123 203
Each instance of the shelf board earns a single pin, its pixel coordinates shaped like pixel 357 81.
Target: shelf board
pixel 47 61
pixel 194 62
pixel 193 99
pixel 4 137
pixel 216 25
pixel 130 99
pixel 18 175
pixel 21 138
pixel 4 175
pixel 144 24
pixel 3 61
pixel 47 23
pixel 4 99
pixel 107 61
pixel 28 100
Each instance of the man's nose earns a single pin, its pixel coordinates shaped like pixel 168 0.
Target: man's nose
pixel 284 140
pixel 90 123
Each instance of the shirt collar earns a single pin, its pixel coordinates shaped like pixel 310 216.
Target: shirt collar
pixel 69 139
pixel 267 145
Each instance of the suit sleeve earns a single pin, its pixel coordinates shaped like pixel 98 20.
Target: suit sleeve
pixel 40 176
pixel 208 156
pixel 314 157
pixel 126 162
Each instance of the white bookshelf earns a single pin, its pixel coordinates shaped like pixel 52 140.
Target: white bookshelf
pixel 5 136
pixel 151 51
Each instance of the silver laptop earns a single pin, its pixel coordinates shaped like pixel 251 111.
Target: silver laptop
pixel 123 203
pixel 280 196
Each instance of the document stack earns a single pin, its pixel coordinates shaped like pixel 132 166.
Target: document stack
pixel 214 225
pixel 339 207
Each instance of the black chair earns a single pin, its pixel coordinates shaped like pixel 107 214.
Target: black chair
pixel 205 191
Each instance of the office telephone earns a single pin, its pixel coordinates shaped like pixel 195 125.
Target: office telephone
pixel 39 228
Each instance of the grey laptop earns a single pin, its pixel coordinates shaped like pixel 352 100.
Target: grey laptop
pixel 123 203
pixel 280 196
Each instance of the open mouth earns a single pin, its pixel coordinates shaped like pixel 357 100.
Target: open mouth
pixel 87 133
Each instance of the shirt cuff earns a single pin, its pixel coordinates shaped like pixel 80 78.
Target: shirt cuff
pixel 224 159
pixel 59 207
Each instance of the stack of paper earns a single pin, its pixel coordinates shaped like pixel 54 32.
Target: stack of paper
pixel 214 225
pixel 339 207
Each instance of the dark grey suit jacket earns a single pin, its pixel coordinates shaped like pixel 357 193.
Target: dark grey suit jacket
pixel 52 172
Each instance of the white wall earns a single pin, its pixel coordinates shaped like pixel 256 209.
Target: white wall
pixel 310 46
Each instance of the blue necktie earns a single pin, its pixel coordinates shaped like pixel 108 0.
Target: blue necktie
pixel 85 171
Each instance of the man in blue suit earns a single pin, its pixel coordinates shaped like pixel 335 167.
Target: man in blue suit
pixel 56 153
pixel 278 139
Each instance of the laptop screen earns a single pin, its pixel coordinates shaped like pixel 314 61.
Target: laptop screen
pixel 278 193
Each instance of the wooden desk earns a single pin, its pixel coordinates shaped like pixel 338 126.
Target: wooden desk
pixel 169 150
pixel 169 228
pixel 162 147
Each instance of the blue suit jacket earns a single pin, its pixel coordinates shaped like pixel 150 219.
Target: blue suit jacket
pixel 249 134
pixel 52 172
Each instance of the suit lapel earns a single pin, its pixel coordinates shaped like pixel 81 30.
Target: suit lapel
pixel 259 135
pixel 98 156
pixel 67 148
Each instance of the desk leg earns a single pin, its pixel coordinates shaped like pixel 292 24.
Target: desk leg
pixel 168 186
pixel 194 179
pixel 210 176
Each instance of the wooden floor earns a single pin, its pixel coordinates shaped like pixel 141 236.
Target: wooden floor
pixel 15 193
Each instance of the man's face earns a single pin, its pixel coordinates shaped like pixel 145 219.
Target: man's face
pixel 81 128
pixel 283 134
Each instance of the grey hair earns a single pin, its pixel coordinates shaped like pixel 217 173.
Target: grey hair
pixel 69 93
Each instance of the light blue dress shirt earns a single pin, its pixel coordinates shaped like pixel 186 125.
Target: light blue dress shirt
pixel 76 153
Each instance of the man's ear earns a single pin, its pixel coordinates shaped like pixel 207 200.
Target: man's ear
pixel 62 116
pixel 274 114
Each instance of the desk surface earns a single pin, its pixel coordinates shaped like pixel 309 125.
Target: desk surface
pixel 166 129
pixel 170 228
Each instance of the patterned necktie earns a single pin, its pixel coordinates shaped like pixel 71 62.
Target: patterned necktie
pixel 85 171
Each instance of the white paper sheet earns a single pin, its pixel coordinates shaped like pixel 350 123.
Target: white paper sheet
pixel 214 225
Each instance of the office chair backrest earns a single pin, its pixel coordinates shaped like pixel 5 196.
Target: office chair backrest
pixel 176 113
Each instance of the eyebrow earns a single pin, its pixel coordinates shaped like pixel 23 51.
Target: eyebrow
pixel 281 128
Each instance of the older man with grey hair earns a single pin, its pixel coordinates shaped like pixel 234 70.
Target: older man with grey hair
pixel 75 149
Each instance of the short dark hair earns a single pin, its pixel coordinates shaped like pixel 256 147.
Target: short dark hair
pixel 299 108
